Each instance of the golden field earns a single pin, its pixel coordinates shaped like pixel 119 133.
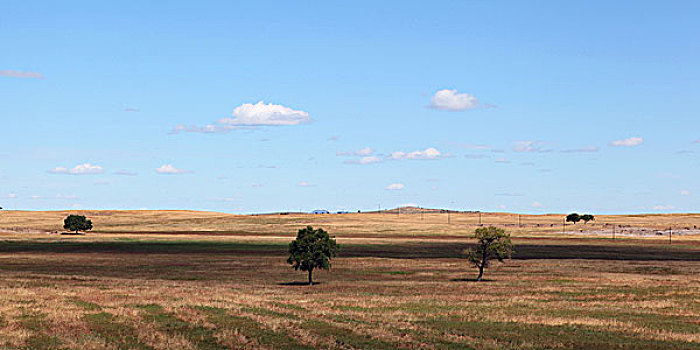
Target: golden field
pixel 194 280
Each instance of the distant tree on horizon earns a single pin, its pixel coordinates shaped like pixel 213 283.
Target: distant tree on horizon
pixel 587 217
pixel 494 243
pixel 76 223
pixel 312 249
pixel 573 217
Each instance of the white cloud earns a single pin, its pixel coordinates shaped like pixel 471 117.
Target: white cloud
pixel 305 184
pixel 370 160
pixel 395 187
pixel 537 205
pixel 11 195
pixel 530 146
pixel 20 74
pixel 502 160
pixel 360 152
pixel 266 114
pixel 168 169
pixel 428 153
pixel 629 142
pixel 685 193
pixel 132 109
pixel 451 100
pixel 80 169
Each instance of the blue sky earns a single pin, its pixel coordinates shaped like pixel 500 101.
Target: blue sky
pixel 533 107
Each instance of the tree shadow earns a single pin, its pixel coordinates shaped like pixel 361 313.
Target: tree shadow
pixel 471 280
pixel 298 283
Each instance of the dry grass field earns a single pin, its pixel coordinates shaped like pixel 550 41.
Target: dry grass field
pixel 192 280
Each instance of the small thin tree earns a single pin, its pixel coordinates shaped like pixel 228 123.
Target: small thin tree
pixel 312 249
pixel 75 223
pixel 494 243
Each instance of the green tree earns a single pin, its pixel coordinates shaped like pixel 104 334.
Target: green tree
pixel 573 217
pixel 587 217
pixel 494 243
pixel 312 249
pixel 75 223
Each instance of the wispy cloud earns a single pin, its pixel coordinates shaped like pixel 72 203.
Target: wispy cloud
pixel 685 193
pixel 666 207
pixel 537 205
pixel 360 152
pixel 80 169
pixel 131 109
pixel 21 74
pixel 168 169
pixel 305 184
pixel 125 173
pixel 628 142
pixel 428 153
pixel 451 100
pixel 531 146
pixel 207 129
pixel 395 187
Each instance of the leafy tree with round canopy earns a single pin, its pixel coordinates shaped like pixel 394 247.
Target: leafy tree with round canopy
pixel 573 217
pixel 75 223
pixel 587 217
pixel 312 249
pixel 494 243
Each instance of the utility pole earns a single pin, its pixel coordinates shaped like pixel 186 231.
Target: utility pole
pixel 669 235
pixel 518 220
pixel 563 226
pixel 613 232
pixel 479 218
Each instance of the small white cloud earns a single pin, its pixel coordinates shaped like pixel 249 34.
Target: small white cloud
pixel 266 114
pixel 685 193
pixel 502 160
pixel 132 109
pixel 502 206
pixel 305 184
pixel 168 169
pixel 360 152
pixel 395 187
pixel 537 205
pixel 80 169
pixel 428 153
pixel 629 142
pixel 370 160
pixel 451 100
pixel 11 195
pixel 530 146
pixel 20 74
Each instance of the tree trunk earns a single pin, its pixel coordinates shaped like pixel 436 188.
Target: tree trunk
pixel 311 282
pixel 481 273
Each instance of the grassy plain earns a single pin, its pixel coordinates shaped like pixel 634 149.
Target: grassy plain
pixel 190 280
